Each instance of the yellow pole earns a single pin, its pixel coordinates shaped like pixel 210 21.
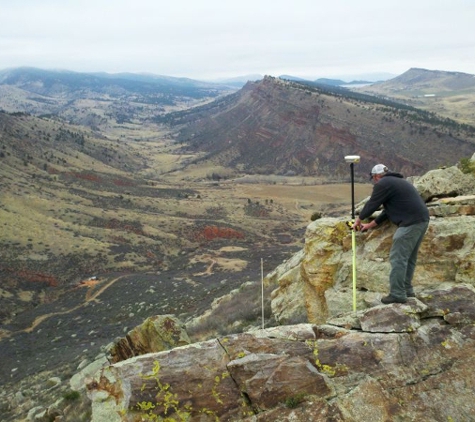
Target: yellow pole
pixel 352 159
pixel 353 246
pixel 262 291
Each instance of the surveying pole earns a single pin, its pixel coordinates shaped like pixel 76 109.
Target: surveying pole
pixel 352 159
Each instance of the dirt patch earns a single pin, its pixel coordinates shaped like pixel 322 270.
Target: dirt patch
pixel 232 249
pixel 219 263
pixel 317 194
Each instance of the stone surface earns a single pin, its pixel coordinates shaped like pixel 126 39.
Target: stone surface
pixel 78 380
pixel 382 371
pixel 287 308
pixel 190 380
pixel 449 207
pixel 324 249
pixel 453 303
pixel 441 183
pixel 398 318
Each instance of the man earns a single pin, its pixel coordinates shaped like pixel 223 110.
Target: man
pixel 404 207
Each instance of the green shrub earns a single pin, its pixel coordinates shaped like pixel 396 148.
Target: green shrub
pixel 71 395
pixel 293 401
pixel 316 215
pixel 467 166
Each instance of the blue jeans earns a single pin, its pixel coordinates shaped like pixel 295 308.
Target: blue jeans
pixel 403 258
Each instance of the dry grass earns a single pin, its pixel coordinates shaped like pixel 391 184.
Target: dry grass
pixel 50 217
pixel 236 312
pixel 452 103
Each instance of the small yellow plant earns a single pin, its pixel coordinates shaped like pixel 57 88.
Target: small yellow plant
pixel 168 401
pixel 145 405
pixel 325 369
pixel 163 398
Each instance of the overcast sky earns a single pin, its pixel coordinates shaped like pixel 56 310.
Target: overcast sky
pixel 209 39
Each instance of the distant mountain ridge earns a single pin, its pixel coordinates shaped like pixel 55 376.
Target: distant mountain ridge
pixel 282 127
pixel 270 126
pixel 327 81
pixel 416 78
pixel 450 94
pixel 48 82
pixel 91 98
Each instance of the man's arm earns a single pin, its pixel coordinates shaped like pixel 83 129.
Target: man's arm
pixel 378 196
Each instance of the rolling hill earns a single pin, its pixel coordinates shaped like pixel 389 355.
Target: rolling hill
pixel 74 204
pixel 449 94
pixel 96 99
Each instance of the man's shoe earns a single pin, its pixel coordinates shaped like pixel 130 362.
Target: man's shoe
pixel 391 299
pixel 411 295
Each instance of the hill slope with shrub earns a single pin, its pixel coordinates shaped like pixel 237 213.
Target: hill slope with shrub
pixel 281 127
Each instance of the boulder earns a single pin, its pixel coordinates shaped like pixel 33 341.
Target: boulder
pixel 157 333
pixel 442 183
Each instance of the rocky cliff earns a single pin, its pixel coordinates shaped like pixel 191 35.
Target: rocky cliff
pixel 317 282
pixel 397 362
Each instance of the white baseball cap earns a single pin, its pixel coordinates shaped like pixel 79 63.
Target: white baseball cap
pixel 379 169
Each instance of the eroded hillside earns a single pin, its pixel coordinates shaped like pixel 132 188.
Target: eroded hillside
pixel 274 126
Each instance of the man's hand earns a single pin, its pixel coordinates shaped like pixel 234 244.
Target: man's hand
pixel 363 226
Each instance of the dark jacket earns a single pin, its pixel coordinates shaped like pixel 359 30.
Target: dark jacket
pixel 402 203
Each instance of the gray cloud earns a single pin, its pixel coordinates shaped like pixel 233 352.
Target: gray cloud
pixel 210 38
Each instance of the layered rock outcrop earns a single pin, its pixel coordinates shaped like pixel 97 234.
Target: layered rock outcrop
pixel 317 282
pixel 396 362
pixel 157 333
